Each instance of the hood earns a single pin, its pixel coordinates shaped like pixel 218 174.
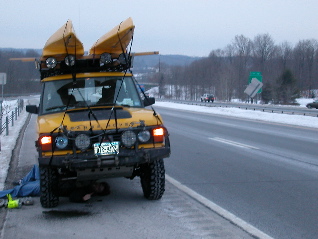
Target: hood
pixel 81 120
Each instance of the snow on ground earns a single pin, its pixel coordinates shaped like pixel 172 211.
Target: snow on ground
pixel 8 142
pixel 248 114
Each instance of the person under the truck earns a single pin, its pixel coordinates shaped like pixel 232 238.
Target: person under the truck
pixel 30 186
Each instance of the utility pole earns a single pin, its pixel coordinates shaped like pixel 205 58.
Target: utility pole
pixel 3 81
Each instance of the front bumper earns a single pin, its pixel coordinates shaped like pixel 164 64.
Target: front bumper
pixel 126 157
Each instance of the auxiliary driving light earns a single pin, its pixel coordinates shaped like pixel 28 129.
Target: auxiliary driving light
pixel 61 142
pixel 123 58
pixel 51 62
pixel 70 60
pixel 128 138
pixel 105 59
pixel 82 142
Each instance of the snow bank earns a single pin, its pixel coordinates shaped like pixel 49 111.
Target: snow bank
pixel 299 120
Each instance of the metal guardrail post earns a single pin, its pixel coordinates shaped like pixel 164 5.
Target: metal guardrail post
pixel 12 118
pixel 7 126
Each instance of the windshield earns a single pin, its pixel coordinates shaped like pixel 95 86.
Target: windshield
pixel 98 91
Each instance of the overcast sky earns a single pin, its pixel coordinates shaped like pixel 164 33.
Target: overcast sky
pixel 187 27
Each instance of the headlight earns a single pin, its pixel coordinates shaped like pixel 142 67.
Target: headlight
pixel 105 58
pixel 128 138
pixel 61 142
pixel 70 60
pixel 51 62
pixel 144 136
pixel 82 142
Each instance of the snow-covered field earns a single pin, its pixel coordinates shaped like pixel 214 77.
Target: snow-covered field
pixel 8 142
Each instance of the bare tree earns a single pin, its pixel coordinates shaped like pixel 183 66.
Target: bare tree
pixel 243 49
pixel 304 61
pixel 263 49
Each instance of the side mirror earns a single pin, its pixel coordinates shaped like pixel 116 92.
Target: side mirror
pixel 149 101
pixel 33 109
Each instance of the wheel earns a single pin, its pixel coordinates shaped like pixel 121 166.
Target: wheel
pixel 152 178
pixel 309 106
pixel 49 187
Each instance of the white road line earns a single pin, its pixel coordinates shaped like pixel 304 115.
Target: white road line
pixel 221 211
pixel 233 143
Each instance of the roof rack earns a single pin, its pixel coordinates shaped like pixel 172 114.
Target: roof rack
pixel 59 65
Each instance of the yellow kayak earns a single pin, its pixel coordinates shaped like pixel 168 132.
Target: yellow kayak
pixel 116 40
pixel 64 41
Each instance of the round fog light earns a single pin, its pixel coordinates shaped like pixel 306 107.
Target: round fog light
pixel 123 58
pixel 51 62
pixel 105 58
pixel 144 136
pixel 128 138
pixel 82 142
pixel 70 60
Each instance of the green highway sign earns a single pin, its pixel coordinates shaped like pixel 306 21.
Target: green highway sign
pixel 257 75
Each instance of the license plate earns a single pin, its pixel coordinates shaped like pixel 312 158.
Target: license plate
pixel 106 148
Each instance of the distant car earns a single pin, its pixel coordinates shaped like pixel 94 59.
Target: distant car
pixel 207 98
pixel 312 105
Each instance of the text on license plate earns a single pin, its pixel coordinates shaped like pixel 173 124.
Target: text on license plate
pixel 106 148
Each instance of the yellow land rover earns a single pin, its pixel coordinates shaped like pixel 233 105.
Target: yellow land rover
pixel 93 124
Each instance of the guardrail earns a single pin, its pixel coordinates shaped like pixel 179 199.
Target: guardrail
pixel 11 117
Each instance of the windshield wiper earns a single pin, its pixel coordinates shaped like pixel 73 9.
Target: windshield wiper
pixel 59 107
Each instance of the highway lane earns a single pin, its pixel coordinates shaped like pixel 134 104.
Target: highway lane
pixel 264 173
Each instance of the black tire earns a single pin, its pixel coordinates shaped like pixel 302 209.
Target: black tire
pixel 49 187
pixel 152 178
pixel 309 107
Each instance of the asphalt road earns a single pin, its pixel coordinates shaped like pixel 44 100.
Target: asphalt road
pixel 122 214
pixel 264 173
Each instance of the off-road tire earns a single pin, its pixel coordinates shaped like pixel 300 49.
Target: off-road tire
pixel 152 178
pixel 49 187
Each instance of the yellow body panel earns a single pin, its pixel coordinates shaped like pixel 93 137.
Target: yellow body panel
pixel 63 41
pixel 116 40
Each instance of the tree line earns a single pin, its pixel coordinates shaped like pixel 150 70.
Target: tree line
pixel 286 70
pixel 22 77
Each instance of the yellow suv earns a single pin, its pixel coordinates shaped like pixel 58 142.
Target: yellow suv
pixel 93 124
